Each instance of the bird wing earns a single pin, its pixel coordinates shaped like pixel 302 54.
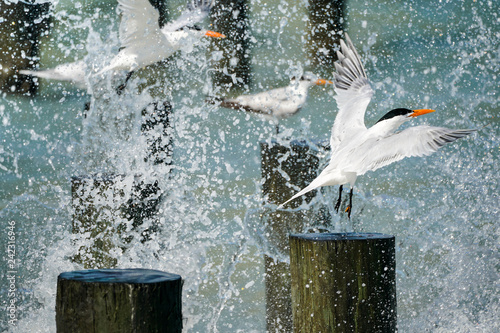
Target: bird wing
pixel 353 94
pixel 196 11
pixel 139 24
pixel 414 141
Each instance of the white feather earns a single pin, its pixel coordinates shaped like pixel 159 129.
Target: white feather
pixel 276 103
pixel 72 72
pixel 144 42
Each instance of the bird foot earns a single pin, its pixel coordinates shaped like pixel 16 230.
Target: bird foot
pixel 348 211
pixel 337 206
pixel 120 88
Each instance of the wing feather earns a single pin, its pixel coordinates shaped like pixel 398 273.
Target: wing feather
pixel 414 141
pixel 196 11
pixel 139 22
pixel 353 94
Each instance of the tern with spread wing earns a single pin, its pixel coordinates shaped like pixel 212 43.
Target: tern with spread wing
pixel 277 103
pixel 356 149
pixel 144 42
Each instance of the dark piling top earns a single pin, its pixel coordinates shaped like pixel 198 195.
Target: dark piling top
pixel 129 275
pixel 353 236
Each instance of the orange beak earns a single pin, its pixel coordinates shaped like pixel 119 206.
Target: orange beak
pixel 214 34
pixel 420 112
pixel 322 81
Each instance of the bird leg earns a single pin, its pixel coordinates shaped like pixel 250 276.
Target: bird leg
pixel 120 88
pixel 337 206
pixel 349 208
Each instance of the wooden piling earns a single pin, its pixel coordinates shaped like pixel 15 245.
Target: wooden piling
pixel 326 19
pixel 157 129
pixel 22 27
pixel 106 208
pixel 118 300
pixel 230 17
pixel 285 169
pixel 343 282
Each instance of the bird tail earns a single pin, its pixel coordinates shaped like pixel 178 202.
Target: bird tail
pixel 27 72
pixel 50 74
pixel 46 73
pixel 214 100
pixel 230 103
pixel 314 185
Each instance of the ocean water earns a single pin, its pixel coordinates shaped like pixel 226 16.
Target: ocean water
pixel 443 209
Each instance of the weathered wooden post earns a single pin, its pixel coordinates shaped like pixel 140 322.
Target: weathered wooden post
pixel 230 17
pixel 107 207
pixel 343 282
pixel 157 129
pixel 118 300
pixel 326 18
pixel 22 25
pixel 285 169
pixel 96 203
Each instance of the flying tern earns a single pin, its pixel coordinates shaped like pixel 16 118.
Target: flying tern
pixel 277 103
pixel 144 42
pixel 73 72
pixel 356 149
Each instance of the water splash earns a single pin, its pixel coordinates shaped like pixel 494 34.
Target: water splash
pixel 442 209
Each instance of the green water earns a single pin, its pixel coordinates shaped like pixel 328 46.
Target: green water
pixel 443 209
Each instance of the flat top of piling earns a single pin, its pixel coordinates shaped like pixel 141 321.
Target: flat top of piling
pixel 340 236
pixel 310 143
pixel 107 177
pixel 129 275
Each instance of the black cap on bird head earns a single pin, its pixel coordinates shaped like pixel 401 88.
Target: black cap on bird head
pixel 404 112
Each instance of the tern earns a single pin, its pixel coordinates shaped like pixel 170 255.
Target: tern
pixel 277 103
pixel 144 42
pixel 73 72
pixel 356 149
